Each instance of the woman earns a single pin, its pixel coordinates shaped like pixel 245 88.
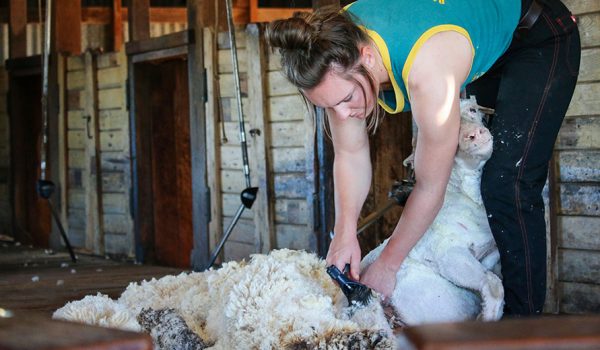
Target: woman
pixel 519 57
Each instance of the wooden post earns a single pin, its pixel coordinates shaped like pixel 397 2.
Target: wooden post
pixel 213 136
pixel 94 232
pixel 66 25
pixel 139 20
pixel 18 26
pixel 256 49
pixel 197 76
pixel 117 25
pixel 324 204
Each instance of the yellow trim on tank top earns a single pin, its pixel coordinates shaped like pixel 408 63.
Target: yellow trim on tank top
pixel 387 63
pixel 424 37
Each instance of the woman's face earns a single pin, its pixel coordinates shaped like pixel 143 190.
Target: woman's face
pixel 343 98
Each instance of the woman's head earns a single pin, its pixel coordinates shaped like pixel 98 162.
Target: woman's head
pixel 316 47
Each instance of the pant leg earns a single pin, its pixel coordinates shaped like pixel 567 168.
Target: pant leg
pixel 530 87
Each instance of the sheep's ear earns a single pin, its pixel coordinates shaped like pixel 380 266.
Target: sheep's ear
pixel 486 110
pixel 409 162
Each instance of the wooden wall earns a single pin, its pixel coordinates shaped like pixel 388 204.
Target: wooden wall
pixel 577 158
pixel 281 157
pixel 98 179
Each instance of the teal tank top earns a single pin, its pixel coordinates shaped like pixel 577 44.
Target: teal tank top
pixel 400 27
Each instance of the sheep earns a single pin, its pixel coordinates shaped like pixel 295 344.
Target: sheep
pixel 281 300
pixel 451 274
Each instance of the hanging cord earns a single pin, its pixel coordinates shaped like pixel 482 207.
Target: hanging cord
pixel 248 195
pixel 45 188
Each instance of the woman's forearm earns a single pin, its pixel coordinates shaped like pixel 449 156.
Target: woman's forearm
pixel 352 180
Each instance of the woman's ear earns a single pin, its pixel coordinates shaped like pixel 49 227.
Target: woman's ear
pixel 367 56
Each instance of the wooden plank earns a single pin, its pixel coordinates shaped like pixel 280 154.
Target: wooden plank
pixel 117 25
pixel 291 185
pixel 243 231
pixel 139 20
pixel 580 266
pixel 18 28
pixel 579 298
pixel 75 80
pixel 76 198
pixel 230 203
pixel 67 31
pixel 292 211
pixel 231 157
pixel 287 108
pixel 236 251
pixel 112 59
pixel 525 333
pixel 289 160
pixel 279 85
pixel 76 159
pixel 114 120
pixel 232 132
pixel 114 140
pixel 119 244
pixel 295 237
pixel 590 65
pixel 77 139
pixel 112 98
pixel 274 60
pixel 589 29
pixel 227 85
pixel 579 133
pixel 285 134
pixel 579 232
pixel 115 203
pixel 213 150
pixel 582 6
pixel 585 101
pixel 259 153
pixel 270 14
pixel 75 178
pixel 225 64
pixel 232 181
pixel 93 183
pixel 117 161
pixel 224 43
pixel 76 121
pixel 15 333
pixel 75 63
pixel 580 199
pixel 75 100
pixel 579 166
pixel 168 41
pixel 111 77
pixel 113 182
pixel 197 21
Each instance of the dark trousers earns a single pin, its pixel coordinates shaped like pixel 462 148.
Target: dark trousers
pixel 530 87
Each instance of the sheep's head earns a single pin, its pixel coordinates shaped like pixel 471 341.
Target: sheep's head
pixel 474 145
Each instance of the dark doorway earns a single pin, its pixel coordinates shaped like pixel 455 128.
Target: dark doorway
pixel 31 220
pixel 164 200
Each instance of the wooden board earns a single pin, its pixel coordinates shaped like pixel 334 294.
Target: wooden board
pixel 16 334
pixel 573 332
pixel 579 232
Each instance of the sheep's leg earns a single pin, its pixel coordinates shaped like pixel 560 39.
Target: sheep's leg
pixel 460 267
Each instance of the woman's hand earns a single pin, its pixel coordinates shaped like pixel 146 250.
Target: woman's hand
pixel 344 249
pixel 380 277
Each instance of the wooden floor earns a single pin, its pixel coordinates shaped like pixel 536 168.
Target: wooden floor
pixel 43 281
pixel 36 282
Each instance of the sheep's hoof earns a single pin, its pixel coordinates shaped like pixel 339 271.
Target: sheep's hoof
pixel 492 295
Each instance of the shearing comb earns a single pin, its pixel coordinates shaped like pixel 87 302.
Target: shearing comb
pixel 357 293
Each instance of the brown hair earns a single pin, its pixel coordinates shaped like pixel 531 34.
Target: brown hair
pixel 312 44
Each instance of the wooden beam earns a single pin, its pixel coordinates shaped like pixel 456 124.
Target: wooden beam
pixel 139 20
pixel 117 25
pixel 197 76
pixel 17 28
pixel 213 136
pixel 67 32
pixel 264 211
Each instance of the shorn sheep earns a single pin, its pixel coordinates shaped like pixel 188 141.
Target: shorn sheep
pixel 285 300
pixel 452 273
